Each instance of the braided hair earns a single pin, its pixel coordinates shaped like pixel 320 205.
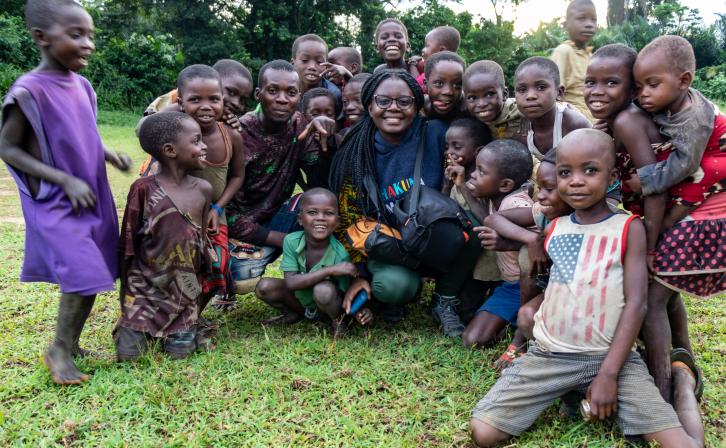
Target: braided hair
pixel 356 157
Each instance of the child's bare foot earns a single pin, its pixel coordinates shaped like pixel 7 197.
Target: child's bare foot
pixel 79 352
pixel 62 369
pixel 283 319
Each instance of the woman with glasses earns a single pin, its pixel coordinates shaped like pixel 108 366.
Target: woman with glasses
pixel 380 151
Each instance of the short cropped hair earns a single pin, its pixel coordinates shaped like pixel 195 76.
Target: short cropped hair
pixel 475 129
pixel 350 54
pixel 443 56
pixel 360 77
pixel 621 52
pixel 159 129
pixel 315 93
pixel 447 36
pixel 550 157
pixel 277 64
pixel 44 13
pixel 486 67
pixel 676 50
pixel 391 20
pixel 545 64
pixel 196 71
pixel 576 3
pixel 513 160
pixel 229 67
pixel 318 191
pixel 307 38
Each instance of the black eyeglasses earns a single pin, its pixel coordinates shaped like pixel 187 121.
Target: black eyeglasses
pixel 384 102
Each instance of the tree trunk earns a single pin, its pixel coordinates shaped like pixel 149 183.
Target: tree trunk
pixel 616 12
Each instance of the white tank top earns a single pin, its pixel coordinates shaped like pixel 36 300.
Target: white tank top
pixel 556 133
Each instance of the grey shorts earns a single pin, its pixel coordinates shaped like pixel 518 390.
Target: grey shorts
pixel 535 380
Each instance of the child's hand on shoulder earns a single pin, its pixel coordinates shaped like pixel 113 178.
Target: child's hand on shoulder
pixel 79 193
pixel 344 268
pixel 232 121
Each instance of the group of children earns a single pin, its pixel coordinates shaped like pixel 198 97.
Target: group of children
pixel 545 176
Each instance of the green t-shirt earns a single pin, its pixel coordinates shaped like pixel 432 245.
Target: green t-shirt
pixel 293 260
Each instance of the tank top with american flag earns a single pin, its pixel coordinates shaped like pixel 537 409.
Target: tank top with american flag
pixel 585 297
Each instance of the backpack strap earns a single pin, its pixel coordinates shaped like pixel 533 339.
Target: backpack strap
pixel 415 192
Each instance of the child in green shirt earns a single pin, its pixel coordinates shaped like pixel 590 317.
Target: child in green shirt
pixel 316 266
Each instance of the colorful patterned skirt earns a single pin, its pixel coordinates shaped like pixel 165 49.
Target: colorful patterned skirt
pixel 691 258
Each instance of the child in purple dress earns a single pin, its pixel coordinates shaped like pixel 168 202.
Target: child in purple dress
pixel 51 145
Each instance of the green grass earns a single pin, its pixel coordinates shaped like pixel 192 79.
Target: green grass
pixel 385 386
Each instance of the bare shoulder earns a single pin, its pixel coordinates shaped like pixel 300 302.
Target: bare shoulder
pixel 572 119
pixel 235 136
pixel 203 186
pixel 632 118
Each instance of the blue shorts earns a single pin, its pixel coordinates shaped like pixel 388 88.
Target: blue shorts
pixel 285 221
pixel 504 302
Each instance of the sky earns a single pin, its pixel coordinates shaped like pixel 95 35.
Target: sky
pixel 531 12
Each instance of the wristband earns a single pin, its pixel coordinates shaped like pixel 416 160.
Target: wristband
pixel 217 209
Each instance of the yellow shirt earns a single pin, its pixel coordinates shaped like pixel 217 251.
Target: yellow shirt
pixel 572 62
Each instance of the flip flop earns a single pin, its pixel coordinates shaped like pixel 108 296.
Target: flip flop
pixel 684 356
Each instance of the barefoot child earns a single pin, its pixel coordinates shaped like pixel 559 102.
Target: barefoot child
pixel 51 145
pixel 573 55
pixel 163 241
pixel 200 97
pixel 487 99
pixel 690 255
pixel 317 268
pixel 585 329
pixel 502 168
pixel 444 73
pixel 527 226
pixel 536 90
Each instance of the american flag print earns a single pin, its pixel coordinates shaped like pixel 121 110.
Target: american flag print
pixel 564 251
pixel 584 298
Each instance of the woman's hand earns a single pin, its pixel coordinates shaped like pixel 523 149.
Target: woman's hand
pixel 364 316
pixel 353 290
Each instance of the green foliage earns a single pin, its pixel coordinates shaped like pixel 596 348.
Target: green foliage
pixel 430 14
pixel 130 73
pixel 711 81
pixel 16 46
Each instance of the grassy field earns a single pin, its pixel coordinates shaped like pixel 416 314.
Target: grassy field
pixel 402 386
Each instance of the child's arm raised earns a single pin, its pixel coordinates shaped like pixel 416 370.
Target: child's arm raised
pixel 602 392
pixel 235 178
pixel 295 281
pixel 628 127
pixel 17 140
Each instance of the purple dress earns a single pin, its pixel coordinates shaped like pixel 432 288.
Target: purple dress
pixel 77 251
